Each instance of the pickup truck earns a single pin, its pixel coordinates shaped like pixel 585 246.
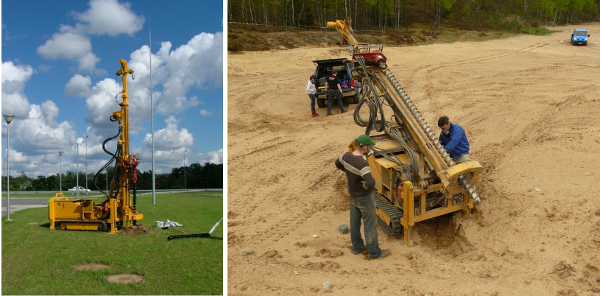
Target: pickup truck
pixel 579 36
pixel 350 88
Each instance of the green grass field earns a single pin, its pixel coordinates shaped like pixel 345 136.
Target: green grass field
pixel 37 260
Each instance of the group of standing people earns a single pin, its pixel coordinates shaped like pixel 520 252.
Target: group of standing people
pixel 334 91
pixel 361 183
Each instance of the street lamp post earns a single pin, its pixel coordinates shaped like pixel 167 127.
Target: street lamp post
pixel 60 153
pixel 184 180
pixel 86 175
pixel 77 188
pixel 8 117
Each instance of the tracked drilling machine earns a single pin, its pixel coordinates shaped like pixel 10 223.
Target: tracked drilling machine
pixel 119 207
pixel 415 177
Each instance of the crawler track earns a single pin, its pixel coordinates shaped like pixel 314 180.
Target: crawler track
pixel 64 224
pixel 395 229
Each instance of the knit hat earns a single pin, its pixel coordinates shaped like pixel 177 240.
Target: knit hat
pixel 365 140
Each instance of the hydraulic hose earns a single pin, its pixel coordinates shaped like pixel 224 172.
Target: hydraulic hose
pixel 107 164
pixel 379 124
pixel 375 105
pixel 412 155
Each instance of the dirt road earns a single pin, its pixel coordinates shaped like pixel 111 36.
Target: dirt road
pixel 531 108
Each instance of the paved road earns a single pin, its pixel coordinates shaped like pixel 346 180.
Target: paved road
pixel 17 204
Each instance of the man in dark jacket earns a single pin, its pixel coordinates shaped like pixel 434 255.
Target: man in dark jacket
pixel 334 90
pixel 454 140
pixel 362 203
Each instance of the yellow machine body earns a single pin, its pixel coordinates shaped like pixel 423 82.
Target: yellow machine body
pixel 411 200
pixel 118 210
pixel 415 177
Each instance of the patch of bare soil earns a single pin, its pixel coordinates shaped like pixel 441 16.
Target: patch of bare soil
pixel 126 279
pixel 530 106
pixel 135 230
pixel 325 253
pixel 90 266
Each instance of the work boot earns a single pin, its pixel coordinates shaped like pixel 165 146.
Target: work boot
pixel 314 113
pixel 344 111
pixel 381 255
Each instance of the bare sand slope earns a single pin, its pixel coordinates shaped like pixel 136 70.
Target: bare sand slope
pixel 531 108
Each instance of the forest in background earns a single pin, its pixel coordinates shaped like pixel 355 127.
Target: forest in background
pixel 384 15
pixel 195 176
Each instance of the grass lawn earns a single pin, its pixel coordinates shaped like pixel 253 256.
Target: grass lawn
pixel 37 260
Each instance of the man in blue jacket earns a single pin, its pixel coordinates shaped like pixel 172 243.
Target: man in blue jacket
pixel 454 140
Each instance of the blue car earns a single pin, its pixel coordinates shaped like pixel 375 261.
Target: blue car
pixel 579 36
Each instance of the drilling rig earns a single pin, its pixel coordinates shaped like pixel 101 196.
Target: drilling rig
pixel 416 179
pixel 119 207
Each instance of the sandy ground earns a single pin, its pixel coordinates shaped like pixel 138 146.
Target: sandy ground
pixel 531 108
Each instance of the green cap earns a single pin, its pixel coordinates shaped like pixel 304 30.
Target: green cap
pixel 365 140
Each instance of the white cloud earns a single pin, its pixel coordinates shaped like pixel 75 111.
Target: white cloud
pixel 20 73
pixel 36 136
pixel 71 45
pixel 169 146
pixel 14 78
pixel 215 157
pixel 164 161
pixel 34 131
pixel 169 138
pixel 205 113
pixel 87 62
pixel 39 133
pixel 78 86
pixel 66 45
pixel 109 17
pixel 35 147
pixel 50 113
pixel 199 64
pixel 101 103
pixel 175 105
pixel 105 17
pixel 15 104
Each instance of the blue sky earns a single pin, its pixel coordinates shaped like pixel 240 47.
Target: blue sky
pixel 59 60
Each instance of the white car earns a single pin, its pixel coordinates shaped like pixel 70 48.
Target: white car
pixel 80 189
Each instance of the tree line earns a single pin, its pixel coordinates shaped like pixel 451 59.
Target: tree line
pixel 194 176
pixel 395 14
